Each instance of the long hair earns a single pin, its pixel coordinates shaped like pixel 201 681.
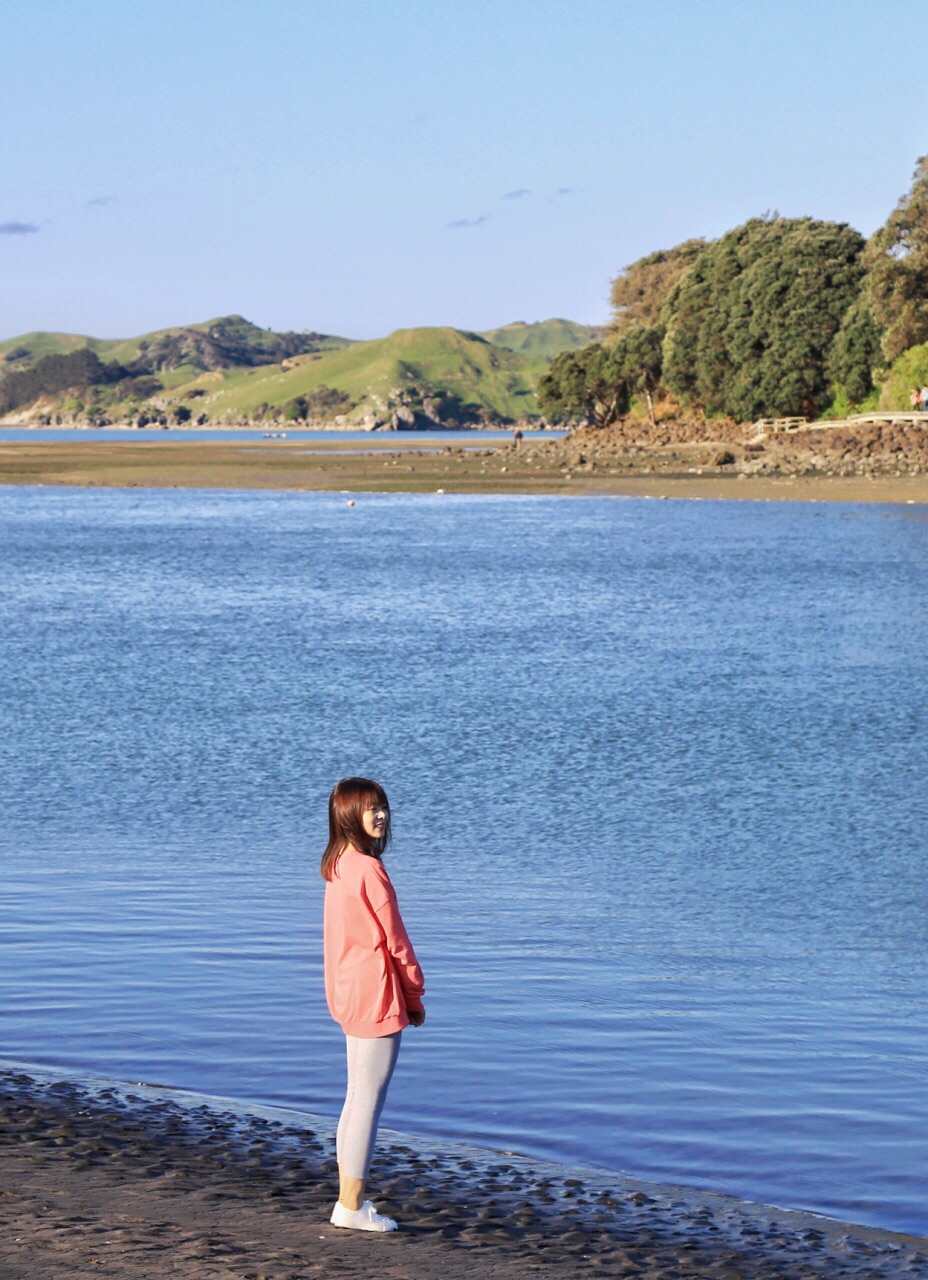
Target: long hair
pixel 347 803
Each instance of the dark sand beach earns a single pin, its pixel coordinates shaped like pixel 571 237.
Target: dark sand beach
pixel 381 465
pixel 105 1181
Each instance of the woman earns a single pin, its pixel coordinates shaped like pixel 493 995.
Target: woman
pixel 373 983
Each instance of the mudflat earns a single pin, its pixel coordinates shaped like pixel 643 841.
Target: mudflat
pixel 106 1182
pixel 379 465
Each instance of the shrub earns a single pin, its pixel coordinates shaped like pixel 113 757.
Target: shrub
pixel 296 410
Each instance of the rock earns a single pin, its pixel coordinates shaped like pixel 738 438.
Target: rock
pixel 724 459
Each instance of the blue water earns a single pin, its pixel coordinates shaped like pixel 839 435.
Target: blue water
pixel 658 779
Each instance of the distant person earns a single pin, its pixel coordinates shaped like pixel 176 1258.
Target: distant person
pixel 373 983
pixel 924 399
pixel 915 400
pixel 517 437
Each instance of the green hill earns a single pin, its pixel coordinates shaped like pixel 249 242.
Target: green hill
pixel 28 347
pixel 443 374
pixel 231 370
pixel 545 339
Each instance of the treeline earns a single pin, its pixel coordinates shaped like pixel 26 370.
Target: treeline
pixel 780 317
pixel 54 374
pixel 231 342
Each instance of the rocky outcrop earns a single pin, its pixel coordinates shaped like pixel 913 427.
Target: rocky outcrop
pixel 422 408
pixel 688 445
pixel 406 418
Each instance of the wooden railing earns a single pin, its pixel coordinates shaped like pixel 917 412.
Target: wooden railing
pixel 912 417
pixel 780 424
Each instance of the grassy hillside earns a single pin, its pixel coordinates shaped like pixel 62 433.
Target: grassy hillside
pixel 39 344
pixel 29 347
pixel 230 369
pixel 545 339
pixel 406 367
pixel 233 332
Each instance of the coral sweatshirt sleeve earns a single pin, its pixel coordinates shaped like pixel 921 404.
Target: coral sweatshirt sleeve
pixel 401 952
pixel 372 977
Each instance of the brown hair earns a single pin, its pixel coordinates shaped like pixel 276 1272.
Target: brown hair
pixel 347 803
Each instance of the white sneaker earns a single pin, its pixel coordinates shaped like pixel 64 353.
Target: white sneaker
pixel 364 1219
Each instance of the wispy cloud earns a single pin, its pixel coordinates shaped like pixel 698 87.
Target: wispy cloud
pixel 517 195
pixel 17 228
pixel 563 191
pixel 98 202
pixel 469 222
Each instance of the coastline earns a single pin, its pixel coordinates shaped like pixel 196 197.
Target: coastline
pixel 137 1182
pixel 378 465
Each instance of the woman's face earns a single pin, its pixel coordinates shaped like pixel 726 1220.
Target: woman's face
pixel 374 820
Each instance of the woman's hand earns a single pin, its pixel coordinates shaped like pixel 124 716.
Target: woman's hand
pixel 416 1017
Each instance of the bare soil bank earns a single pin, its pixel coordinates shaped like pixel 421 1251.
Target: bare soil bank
pixel 585 462
pixel 109 1183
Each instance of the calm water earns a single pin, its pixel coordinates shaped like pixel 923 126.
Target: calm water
pixel 658 777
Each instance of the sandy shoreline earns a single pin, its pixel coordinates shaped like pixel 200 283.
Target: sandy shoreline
pixel 109 1181
pixel 379 466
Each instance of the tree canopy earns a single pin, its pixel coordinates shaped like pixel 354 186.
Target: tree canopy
pixel 640 290
pixel 856 351
pixel 584 384
pixel 897 269
pixel 598 382
pixel 750 324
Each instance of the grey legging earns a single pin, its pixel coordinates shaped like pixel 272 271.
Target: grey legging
pixel 370 1066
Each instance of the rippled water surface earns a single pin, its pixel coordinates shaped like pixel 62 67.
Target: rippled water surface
pixel 658 778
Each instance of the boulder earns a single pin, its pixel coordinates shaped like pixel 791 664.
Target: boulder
pixel 405 418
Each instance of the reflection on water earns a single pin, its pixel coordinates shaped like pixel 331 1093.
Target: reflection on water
pixel 657 773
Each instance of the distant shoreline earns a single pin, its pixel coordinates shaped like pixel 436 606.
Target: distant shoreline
pixel 377 465
pixel 275 429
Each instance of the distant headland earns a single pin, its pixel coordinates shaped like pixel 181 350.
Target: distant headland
pixel 229 371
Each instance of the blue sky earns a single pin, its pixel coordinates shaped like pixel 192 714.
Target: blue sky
pixel 356 166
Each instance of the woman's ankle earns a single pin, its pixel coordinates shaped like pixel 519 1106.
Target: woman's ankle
pixel 350 1191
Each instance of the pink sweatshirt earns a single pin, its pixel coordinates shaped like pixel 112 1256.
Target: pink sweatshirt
pixel 372 977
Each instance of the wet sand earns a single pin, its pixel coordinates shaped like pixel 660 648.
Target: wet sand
pixel 104 1181
pixel 379 465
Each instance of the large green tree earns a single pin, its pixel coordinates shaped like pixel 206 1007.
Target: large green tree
pixel 640 290
pixel 637 355
pixel 597 382
pixel 897 269
pixel 584 384
pixel 751 323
